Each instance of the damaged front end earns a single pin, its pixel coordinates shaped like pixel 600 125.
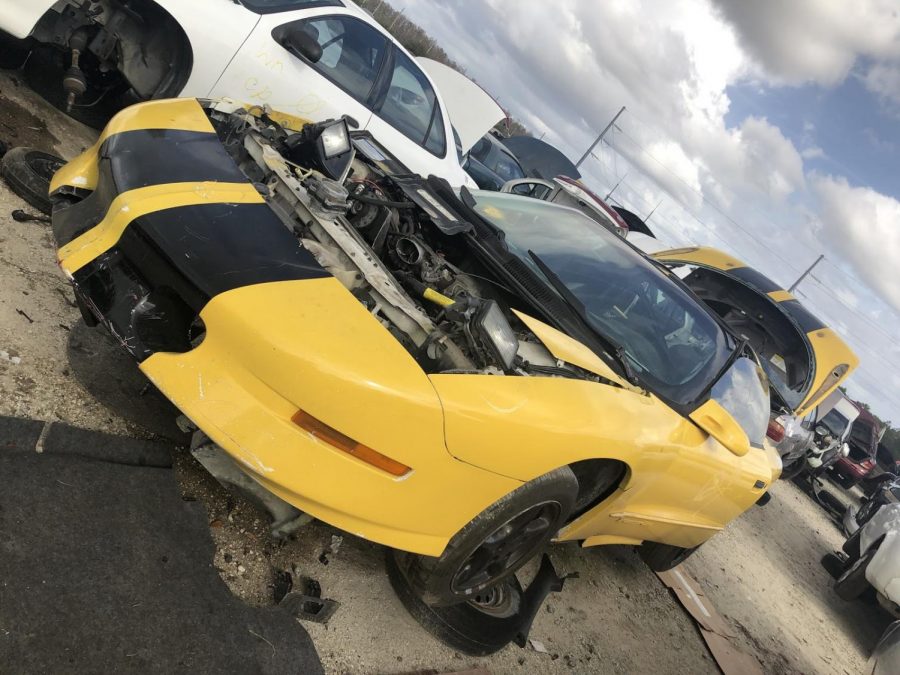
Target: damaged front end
pixel 290 287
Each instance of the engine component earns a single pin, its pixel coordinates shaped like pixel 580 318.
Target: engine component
pixel 74 81
pixel 329 197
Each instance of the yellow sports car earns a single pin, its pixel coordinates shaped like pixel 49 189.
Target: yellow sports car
pixel 460 376
pixel 804 359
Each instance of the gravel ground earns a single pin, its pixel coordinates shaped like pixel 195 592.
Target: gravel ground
pixel 762 573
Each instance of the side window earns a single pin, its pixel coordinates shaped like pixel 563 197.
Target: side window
pixel 352 52
pixel 411 106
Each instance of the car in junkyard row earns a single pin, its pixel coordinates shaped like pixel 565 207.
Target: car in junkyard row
pixel 871 560
pixel 491 165
pixel 804 359
pixel 318 59
pixel 860 462
pixel 460 376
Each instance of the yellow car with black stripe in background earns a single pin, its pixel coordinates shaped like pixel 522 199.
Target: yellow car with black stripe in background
pixel 804 359
pixel 460 376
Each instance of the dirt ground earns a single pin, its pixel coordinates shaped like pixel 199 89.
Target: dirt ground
pixel 762 573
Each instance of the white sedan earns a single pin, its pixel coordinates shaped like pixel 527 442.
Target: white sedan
pixel 316 59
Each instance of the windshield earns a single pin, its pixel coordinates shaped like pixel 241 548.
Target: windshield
pixel 744 392
pixel 835 423
pixel 674 346
pixel 495 158
pixel 271 6
pixel 862 436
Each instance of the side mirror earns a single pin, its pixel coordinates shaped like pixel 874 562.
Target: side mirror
pixel 718 423
pixel 821 430
pixel 297 40
pixel 845 450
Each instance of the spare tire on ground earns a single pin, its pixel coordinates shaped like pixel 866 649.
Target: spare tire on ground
pixel 28 173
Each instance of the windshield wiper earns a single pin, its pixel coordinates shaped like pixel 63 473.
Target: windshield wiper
pixel 740 348
pixel 615 350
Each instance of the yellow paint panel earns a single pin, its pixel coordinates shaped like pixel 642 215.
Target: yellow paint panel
pixel 271 349
pixel 681 483
pixel 701 255
pixel 184 114
pixel 136 203
pixel 781 296
pixel 82 172
pixel 572 351
pixel 830 352
pixel 607 539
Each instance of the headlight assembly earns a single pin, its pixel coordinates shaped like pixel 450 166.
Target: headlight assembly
pixel 496 335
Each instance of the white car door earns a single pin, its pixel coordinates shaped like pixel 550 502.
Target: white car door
pixel 339 83
pixel 410 121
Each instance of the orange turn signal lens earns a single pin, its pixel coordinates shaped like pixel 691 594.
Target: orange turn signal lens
pixel 336 439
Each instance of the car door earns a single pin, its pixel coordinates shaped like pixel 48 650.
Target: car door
pixel 341 82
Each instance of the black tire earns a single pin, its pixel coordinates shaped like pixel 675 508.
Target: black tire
pixel 833 564
pixel 852 582
pixel 831 503
pixel 463 626
pixel 793 469
pixel 663 557
pixel 28 173
pixel 534 512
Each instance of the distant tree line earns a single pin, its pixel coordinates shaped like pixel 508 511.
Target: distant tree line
pixel 420 43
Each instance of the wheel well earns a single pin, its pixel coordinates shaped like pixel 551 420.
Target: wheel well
pixel 139 38
pixel 597 480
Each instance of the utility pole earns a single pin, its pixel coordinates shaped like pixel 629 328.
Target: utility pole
pixel 653 210
pixel 609 194
pixel 599 138
pixel 806 273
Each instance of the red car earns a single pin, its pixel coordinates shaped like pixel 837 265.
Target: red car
pixel 863 442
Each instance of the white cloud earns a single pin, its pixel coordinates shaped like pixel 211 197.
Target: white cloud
pixel 884 80
pixel 814 40
pixel 813 152
pixel 863 225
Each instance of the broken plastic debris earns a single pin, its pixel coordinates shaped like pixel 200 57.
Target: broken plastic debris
pixel 4 356
pixel 537 646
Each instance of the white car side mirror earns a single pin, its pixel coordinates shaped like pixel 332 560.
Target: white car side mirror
pixel 845 450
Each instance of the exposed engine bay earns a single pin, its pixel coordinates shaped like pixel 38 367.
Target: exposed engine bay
pixel 395 240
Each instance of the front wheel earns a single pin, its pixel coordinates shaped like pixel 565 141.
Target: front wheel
pixel 663 557
pixel 496 543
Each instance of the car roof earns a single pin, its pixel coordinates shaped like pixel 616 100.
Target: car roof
pixel 829 350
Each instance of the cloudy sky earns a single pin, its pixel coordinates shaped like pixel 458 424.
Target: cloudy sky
pixel 770 129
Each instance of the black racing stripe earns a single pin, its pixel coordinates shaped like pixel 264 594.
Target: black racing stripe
pixel 167 265
pixel 755 279
pixel 807 321
pixel 159 156
pixel 219 247
pixel 136 159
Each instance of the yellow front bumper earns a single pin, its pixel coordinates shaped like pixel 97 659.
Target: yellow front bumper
pixel 272 349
